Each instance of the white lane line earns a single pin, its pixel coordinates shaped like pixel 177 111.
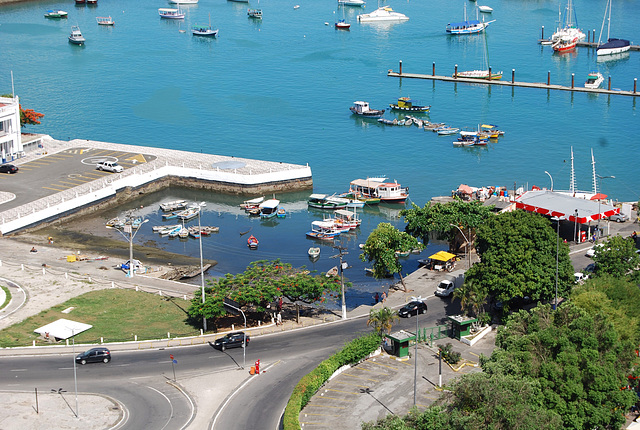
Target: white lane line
pixel 18 370
pixel 162 394
pixel 122 365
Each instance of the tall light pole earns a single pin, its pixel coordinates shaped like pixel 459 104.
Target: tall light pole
pixel 128 228
pixel 343 266
pixel 600 178
pixel 550 178
pixel 75 377
pixel 468 250
pixel 557 220
pixel 204 319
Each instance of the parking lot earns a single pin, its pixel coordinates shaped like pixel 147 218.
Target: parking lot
pixel 63 170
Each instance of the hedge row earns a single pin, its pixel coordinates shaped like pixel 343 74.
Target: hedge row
pixel 353 352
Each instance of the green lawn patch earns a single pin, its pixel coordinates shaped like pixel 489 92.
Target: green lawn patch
pixel 116 315
pixel 8 300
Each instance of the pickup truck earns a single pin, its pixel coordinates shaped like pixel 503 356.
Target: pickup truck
pixel 450 283
pixel 109 166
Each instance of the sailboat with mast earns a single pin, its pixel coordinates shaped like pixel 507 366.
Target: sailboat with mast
pixel 486 73
pixel 342 24
pixel 568 27
pixel 467 26
pixel 612 46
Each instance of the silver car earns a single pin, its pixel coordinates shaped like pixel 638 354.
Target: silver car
pixel 619 217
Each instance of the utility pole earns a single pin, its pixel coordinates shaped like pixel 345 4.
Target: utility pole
pixel 343 266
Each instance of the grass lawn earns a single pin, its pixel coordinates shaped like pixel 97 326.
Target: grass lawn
pixel 8 299
pixel 116 315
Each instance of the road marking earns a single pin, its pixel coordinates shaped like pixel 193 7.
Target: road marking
pixel 18 370
pixel 122 365
pixel 351 385
pixel 56 189
pixel 139 158
pixel 345 392
pixel 328 407
pixel 333 398
pixel 170 404
pixel 92 161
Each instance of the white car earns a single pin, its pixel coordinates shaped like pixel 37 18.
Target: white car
pixel 580 277
pixel 592 251
pixel 109 166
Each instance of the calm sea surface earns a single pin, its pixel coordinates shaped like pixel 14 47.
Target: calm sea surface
pixel 280 90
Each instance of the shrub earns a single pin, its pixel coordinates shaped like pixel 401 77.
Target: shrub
pixel 447 353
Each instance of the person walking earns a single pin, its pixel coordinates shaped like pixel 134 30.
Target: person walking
pixel 376 298
pixel 384 297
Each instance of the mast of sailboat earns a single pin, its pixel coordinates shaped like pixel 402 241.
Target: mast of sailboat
pixel 572 184
pixel 607 17
pixel 593 167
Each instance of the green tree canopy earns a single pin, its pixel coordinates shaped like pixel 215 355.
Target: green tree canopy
pixel 518 258
pixel 439 217
pixel 259 285
pixel 381 247
pixel 616 257
pixel 577 359
pixel 382 320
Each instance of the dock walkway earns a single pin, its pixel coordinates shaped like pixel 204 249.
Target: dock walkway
pixel 512 83
pixel 222 173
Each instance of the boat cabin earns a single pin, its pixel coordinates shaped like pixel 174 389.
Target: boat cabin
pixel 361 107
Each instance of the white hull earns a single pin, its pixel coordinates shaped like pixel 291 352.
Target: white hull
pixel 612 51
pixel 383 14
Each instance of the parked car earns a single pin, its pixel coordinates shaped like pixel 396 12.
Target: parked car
pixel 231 340
pixel 109 166
pixel 590 268
pixel 414 307
pixel 8 168
pixel 592 251
pixel 619 217
pixel 580 277
pixel 94 355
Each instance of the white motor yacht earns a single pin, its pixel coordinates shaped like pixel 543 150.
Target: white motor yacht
pixel 384 13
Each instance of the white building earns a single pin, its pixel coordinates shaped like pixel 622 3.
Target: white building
pixel 10 137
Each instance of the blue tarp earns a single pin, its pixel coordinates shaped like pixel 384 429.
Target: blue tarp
pixel 614 43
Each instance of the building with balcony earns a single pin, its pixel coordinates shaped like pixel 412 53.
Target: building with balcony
pixel 10 137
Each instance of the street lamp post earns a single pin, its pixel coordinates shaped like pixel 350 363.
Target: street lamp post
pixel 550 178
pixel 128 228
pixel 204 319
pixel 468 250
pixel 557 220
pixel 343 266
pixel 75 377
pixel 600 178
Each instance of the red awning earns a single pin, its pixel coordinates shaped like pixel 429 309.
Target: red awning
pixel 557 204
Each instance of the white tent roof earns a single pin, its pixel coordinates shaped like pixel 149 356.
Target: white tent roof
pixel 63 328
pixel 574 209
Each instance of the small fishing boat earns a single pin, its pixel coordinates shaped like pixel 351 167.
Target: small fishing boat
pixel 252 203
pixel 170 13
pixel 253 211
pixel 204 29
pixel 447 131
pixel 325 201
pixel 188 213
pixel 55 14
pixel 170 215
pixel 183 233
pixel 173 205
pixel 407 105
pixel 179 2
pixel 332 272
pixel 485 9
pixel 207 230
pixel 175 232
pixel 81 1
pixel 269 208
pixel 387 192
pixel 314 252
pixel 196 233
pixel 239 1
pixel 92 2
pixel 565 44
pixel 76 36
pixel 342 25
pixel 297 6
pixel 402 254
pixel 252 242
pixel 467 26
pixel 594 80
pixel 324 230
pixel 361 108
pixel 105 20
pixel 282 213
pixel 254 13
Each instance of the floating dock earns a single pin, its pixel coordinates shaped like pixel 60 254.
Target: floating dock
pixel 514 83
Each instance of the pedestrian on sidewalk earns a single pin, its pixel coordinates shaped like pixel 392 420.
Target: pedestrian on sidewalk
pixel 279 320
pixel 384 297
pixel 376 298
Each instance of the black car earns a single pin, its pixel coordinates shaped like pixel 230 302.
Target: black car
pixel 8 168
pixel 94 355
pixel 413 308
pixel 231 340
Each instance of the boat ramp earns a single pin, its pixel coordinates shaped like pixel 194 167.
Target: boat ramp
pixel 513 83
pixel 164 168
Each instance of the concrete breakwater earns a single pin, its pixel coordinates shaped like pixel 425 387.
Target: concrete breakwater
pixel 224 174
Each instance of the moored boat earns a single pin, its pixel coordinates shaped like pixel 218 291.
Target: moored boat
pixel 387 192
pixel 252 203
pixel 363 109
pixel 252 242
pixel 325 201
pixel 480 74
pixel 170 13
pixel 342 25
pixel 76 36
pixel 254 13
pixel 173 205
pixel 567 25
pixel 188 213
pixel 594 80
pixel 467 26
pixel 281 213
pixel 314 252
pixel 444 131
pixel 485 9
pixel 384 13
pixel 565 44
pixel 269 208
pixel 55 14
pixel 204 29
pixel 407 105
pixel 357 3
pixel 105 20
pixel 323 230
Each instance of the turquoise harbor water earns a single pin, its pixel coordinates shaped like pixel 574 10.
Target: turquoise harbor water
pixel 280 89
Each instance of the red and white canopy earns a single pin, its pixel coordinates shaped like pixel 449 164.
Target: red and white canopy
pixel 558 204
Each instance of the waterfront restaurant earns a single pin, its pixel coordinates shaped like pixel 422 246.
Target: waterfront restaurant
pixel 10 137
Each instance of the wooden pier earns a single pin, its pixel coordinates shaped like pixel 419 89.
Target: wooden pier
pixel 513 83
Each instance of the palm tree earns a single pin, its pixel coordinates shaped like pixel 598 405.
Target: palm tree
pixel 382 320
pixel 472 298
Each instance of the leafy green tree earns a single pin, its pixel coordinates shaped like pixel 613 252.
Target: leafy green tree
pixel 382 320
pixel 381 247
pixel 616 257
pixel 472 297
pixel 441 219
pixel 258 286
pixel 577 359
pixel 518 258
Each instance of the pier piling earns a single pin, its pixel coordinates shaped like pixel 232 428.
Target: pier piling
pixel 573 75
pixel 549 77
pixel 513 75
pixel 635 84
pixel 542 33
pixel 400 66
pixel 455 71
pixel 609 86
pixel 433 69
